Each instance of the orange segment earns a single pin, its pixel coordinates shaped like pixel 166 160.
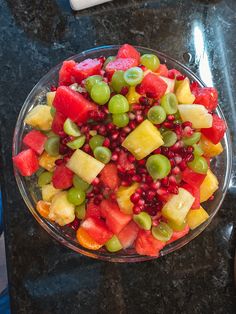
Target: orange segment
pixel 43 208
pixel 86 241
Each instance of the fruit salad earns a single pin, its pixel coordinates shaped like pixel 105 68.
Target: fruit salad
pixel 121 150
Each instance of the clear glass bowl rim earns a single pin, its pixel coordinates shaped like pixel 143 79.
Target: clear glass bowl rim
pixel 72 244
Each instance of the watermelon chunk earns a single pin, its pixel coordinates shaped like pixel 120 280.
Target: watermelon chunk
pixel 128 234
pixel 97 230
pixel 35 140
pixel 153 86
pixel 217 131
pixel 178 234
pixel 195 191
pixel 206 96
pixel 109 176
pixel 128 51
pixel 92 210
pixel 120 64
pixel 62 177
pixel 65 73
pixel 192 178
pixel 58 122
pixel 162 70
pixel 115 219
pixel 26 162
pixel 72 104
pixel 172 73
pixel 86 68
pixel 146 244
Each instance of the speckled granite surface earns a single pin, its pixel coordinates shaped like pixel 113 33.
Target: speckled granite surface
pixel 48 278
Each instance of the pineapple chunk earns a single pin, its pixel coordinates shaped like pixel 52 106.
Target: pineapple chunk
pixel 143 140
pixel 210 150
pixel 48 162
pixel 40 117
pixel 208 186
pixel 183 93
pixel 61 210
pixel 196 217
pixel 85 166
pixel 48 192
pixel 197 114
pixel 178 206
pixel 132 96
pixel 50 97
pixel 123 198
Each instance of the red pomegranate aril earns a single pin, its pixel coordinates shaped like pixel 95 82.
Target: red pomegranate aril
pixel 138 89
pixel 95 182
pixel 178 159
pixel 87 148
pixel 182 165
pixel 97 201
pixel 90 195
pixel 137 178
pixel 96 190
pixel 144 101
pixel 135 198
pixel 164 150
pixel 136 106
pixel 180 77
pixel 211 198
pixel 136 209
pixel 114 157
pixel 110 126
pixel 141 202
pixel 142 170
pixel 172 162
pixel 167 124
pixel 173 189
pixel 141 66
pixel 141 162
pixel 139 118
pixel 63 149
pixel 75 224
pixel 190 149
pixel 178 129
pixel 53 88
pixel 102 130
pixel 150 195
pixel 131 158
pixel 148 179
pixel 106 142
pixel 171 75
pixel 144 187
pixel 66 159
pixel 189 157
pixel 156 185
pixel 165 181
pixel 59 162
pixel 186 123
pixel 115 136
pixel 175 170
pixel 62 134
pixel 161 191
pixel 124 90
pixel 188 131
pixel 139 191
pixel 157 151
pixel 170 117
pixel 172 180
pixel 151 211
pixel 156 222
pixel 125 183
pixel 126 129
pixel 67 139
pixel 170 154
pixel 85 129
pixel 130 172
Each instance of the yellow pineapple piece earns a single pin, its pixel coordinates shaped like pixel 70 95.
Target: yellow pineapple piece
pixel 48 192
pixel 40 117
pixel 210 150
pixel 208 186
pixel 178 206
pixel 123 198
pixel 48 162
pixel 132 96
pixel 85 166
pixel 197 114
pixel 50 97
pixel 183 93
pixel 143 140
pixel 196 217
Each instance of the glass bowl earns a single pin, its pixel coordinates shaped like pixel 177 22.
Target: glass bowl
pixel 221 165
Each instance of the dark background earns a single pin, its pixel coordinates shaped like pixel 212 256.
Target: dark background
pixel 45 277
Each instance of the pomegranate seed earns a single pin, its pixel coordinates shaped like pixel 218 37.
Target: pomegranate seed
pixel 66 159
pixel 155 222
pixel 186 123
pixel 175 170
pixel 136 209
pixel 155 185
pixel 53 88
pixel 59 162
pixel 178 159
pixel 172 162
pixel 131 158
pixel 138 89
pixel 62 134
pixel 161 191
pixel 124 90
pixel 142 67
pixel 63 149
pixel 114 157
pixel 173 189
pixel 172 180
pixel 144 187
pixel 176 147
pixel 139 118
pixel 148 179
pixel 87 148
pixel 96 190
pixel 150 195
pixel 113 196
pixel 168 125
pixel 142 171
pixel 171 75
pixel 136 107
pixel 190 149
pixel 97 201
pixel 180 77
pixel 189 157
pixel 131 172
pixel 137 178
pixel 139 191
pixel 188 131
pixel 211 198
pixel 95 182
pixel 150 95
pixel 125 183
pixel 126 129
pixel 151 211
pixel 141 162
pixel 182 165
pixel 157 151
pixel 115 135
pixel 178 129
pixel 102 130
pixel 170 117
pixel 141 202
pixel 135 198
pixel 165 181
pixel 165 151
pixel 75 224
pixel 106 142
pixel 170 154
pixel 90 195
pixel 144 101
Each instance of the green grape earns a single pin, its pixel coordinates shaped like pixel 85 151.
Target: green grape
pixel 53 111
pixel 76 196
pixel 118 104
pixel 80 211
pixel 120 119
pixel 175 226
pixel 162 232
pixel 143 220
pixel 80 183
pixel 113 245
pixel 50 134
pixel 91 81
pixel 100 93
pixel 77 143
pixel 44 178
pixel 150 61
pixel 169 102
pixel 169 138
pixel 52 145
pixel 109 59
pixel 158 166
pixel 102 154
pixel 70 128
pixel 199 164
pixel 193 139
pixel 95 141
pixel 156 114
pixel 197 150
pixel 133 76
pixel 118 81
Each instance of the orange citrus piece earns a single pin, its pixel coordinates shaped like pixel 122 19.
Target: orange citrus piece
pixel 43 208
pixel 86 241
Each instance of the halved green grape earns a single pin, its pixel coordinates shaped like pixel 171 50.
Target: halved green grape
pixel 100 93
pixel 53 111
pixel 169 102
pixel 70 128
pixel 162 232
pixel 118 81
pixel 91 81
pixel 118 104
pixel 169 138
pixel 143 220
pixel 52 145
pixel 158 166
pixel 199 164
pixel 95 141
pixel 109 59
pixel 133 76
pixel 50 134
pixel 80 211
pixel 113 245
pixel 102 154
pixel 80 183
pixel 175 226
pixel 156 114
pixel 197 150
pixel 76 196
pixel 193 139
pixel 77 143
pixel 45 178
pixel 150 61
pixel 120 119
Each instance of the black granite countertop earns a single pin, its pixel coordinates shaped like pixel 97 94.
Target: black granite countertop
pixel 45 277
